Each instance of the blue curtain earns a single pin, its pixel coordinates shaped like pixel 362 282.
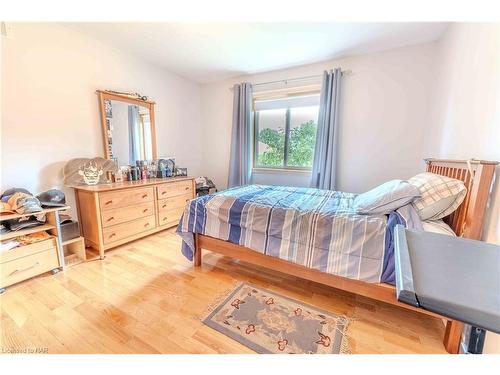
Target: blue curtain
pixel 240 163
pixel 133 134
pixel 324 171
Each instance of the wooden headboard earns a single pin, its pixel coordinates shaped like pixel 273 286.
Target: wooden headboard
pixel 467 221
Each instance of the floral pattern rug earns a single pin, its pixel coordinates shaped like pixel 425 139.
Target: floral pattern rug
pixel 270 323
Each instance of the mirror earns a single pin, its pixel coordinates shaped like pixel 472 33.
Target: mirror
pixel 128 127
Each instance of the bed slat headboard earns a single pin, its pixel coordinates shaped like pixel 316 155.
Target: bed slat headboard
pixel 467 221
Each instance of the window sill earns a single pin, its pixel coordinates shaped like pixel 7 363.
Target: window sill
pixel 281 170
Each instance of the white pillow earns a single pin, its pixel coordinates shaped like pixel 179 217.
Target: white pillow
pixel 441 195
pixel 385 198
pixel 437 226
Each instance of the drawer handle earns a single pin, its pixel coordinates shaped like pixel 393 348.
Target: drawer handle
pixel 165 218
pixel 109 202
pixel 145 210
pixel 112 235
pixel 146 225
pixel 165 205
pixel 163 192
pixel 24 269
pixel 145 196
pixel 111 218
pixel 187 187
pixel 187 200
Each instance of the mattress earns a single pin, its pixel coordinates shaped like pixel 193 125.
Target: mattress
pixel 315 228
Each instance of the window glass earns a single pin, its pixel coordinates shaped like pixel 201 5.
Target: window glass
pixel 303 126
pixel 271 124
pixel 285 132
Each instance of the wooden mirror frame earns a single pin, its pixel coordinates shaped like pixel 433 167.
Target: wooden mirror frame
pixel 149 104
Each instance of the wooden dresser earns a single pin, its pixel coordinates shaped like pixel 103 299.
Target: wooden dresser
pixel 114 214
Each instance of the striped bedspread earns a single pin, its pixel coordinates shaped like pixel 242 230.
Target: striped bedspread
pixel 315 228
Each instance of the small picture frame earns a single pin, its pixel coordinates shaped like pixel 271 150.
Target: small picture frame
pixel 182 172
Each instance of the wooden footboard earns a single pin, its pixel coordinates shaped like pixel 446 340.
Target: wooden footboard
pixel 379 292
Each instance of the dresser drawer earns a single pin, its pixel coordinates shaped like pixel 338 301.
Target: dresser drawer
pixel 179 201
pixel 126 197
pixel 26 267
pixel 170 217
pixel 173 189
pixel 23 251
pixel 128 229
pixel 122 215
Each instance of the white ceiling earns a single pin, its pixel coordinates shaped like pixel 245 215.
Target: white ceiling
pixel 206 52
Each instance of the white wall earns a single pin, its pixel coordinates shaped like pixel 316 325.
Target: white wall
pixel 50 109
pixel 384 113
pixel 465 115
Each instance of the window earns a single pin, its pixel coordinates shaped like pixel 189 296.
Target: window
pixel 285 132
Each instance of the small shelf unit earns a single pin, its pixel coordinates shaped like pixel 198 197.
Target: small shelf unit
pixel 19 264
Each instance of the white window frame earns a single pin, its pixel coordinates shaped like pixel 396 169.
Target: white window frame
pixel 278 95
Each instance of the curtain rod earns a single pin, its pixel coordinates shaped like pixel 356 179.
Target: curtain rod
pixel 286 81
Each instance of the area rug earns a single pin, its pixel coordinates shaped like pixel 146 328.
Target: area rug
pixel 267 322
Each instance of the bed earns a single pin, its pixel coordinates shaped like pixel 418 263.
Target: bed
pixel 318 229
pixel 316 234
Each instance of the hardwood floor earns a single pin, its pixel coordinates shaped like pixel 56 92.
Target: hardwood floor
pixel 145 297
